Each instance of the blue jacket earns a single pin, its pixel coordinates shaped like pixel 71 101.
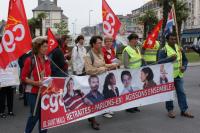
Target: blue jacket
pixel 162 58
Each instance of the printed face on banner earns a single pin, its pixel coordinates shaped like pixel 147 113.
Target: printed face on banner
pixel 66 100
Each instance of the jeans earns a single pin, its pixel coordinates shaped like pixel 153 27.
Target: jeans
pixel 32 120
pixel 182 101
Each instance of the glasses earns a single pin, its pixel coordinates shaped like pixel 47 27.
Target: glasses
pixel 109 41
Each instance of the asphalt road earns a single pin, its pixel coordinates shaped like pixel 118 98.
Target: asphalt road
pixel 151 119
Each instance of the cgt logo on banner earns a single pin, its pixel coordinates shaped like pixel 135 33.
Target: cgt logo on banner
pixel 111 23
pixel 66 100
pixel 17 39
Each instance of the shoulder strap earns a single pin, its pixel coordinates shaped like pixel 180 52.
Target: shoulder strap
pixel 91 56
pixel 77 48
pixel 32 66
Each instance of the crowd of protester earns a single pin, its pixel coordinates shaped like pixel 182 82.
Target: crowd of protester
pixel 101 57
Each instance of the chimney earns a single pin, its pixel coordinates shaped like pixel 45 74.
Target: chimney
pixel 55 2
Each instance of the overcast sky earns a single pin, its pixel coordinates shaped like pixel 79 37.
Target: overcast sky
pixel 78 10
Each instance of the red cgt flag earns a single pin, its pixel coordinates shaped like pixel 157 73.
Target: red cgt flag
pixel 151 39
pixel 111 23
pixel 52 42
pixel 17 39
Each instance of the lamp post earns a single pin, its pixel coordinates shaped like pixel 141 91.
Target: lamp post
pixel 73 28
pixel 89 15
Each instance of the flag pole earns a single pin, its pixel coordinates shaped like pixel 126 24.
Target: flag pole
pixel 176 25
pixel 39 91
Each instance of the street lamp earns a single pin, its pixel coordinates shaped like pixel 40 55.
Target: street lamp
pixel 89 15
pixel 73 28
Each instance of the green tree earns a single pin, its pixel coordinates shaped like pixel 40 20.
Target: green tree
pixel 182 13
pixel 181 9
pixel 36 23
pixel 149 20
pixel 61 28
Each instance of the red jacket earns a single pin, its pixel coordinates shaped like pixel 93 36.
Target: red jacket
pixel 108 57
pixel 34 75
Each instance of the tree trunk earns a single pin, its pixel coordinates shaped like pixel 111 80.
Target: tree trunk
pixel 145 30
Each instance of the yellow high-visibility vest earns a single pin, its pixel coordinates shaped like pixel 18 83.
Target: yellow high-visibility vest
pixel 150 55
pixel 135 60
pixel 178 62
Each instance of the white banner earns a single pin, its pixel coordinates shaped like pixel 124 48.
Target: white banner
pixel 9 77
pixel 79 97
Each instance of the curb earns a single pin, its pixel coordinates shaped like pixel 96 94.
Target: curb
pixel 194 64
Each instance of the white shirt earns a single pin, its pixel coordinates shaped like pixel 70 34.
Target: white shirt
pixel 77 58
pixel 129 89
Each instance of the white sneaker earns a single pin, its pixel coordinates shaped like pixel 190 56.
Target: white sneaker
pixel 107 115
pixel 111 113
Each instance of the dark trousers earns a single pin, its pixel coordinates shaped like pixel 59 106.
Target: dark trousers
pixel 32 120
pixel 6 93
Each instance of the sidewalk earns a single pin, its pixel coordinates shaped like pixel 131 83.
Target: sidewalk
pixel 194 64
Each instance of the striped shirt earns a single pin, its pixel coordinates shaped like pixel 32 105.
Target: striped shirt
pixel 73 102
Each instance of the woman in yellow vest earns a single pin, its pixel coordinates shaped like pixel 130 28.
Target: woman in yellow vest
pixel 150 55
pixel 132 58
pixel 171 52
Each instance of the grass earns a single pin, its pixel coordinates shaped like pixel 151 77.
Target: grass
pixel 192 57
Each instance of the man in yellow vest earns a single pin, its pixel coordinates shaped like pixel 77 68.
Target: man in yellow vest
pixel 150 55
pixel 172 52
pixel 132 58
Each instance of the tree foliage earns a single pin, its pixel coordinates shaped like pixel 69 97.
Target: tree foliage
pixel 149 20
pixel 182 12
pixel 36 23
pixel 61 28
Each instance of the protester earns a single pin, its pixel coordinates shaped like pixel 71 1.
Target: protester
pixel 131 55
pixel 30 75
pixel 6 93
pixel 132 58
pixel 147 77
pixel 110 90
pixel 78 52
pixel 59 66
pixel 65 49
pixel 22 93
pixel 73 99
pixel 95 64
pixel 108 50
pixel 110 58
pixel 150 55
pixel 172 52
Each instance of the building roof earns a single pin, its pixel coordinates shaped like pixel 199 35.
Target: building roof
pixel 47 5
pixel 64 16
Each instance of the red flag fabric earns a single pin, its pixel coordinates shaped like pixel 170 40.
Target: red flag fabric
pixel 111 23
pixel 52 42
pixel 151 39
pixel 17 38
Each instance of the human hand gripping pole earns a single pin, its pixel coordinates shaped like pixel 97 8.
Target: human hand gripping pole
pixel 161 60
